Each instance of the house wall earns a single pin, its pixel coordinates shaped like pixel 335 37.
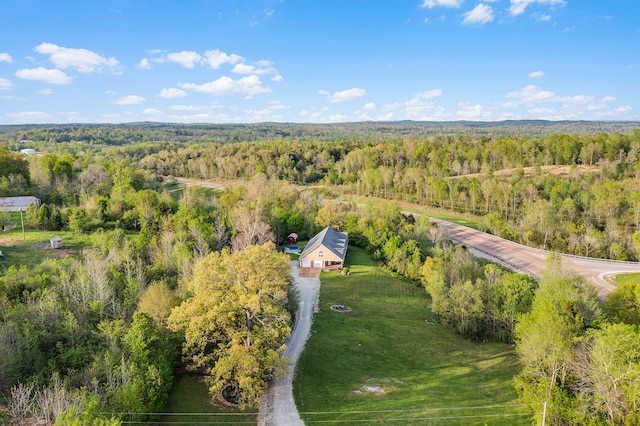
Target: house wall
pixel 313 257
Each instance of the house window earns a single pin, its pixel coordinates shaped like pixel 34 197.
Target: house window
pixel 320 253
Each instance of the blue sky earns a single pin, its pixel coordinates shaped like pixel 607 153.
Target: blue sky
pixel 114 61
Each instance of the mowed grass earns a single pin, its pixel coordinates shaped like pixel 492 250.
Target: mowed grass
pixel 391 340
pixel 626 279
pixel 35 246
pixel 190 401
pixel 442 214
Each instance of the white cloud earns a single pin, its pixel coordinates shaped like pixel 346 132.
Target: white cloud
pixel 446 3
pixel 82 60
pixel 5 57
pixel 536 74
pixel 429 94
pixel 153 112
pixel 277 105
pixel 172 93
pixel 5 84
pixel 467 111
pixel 265 114
pixel 250 86
pixel 201 118
pixel 186 58
pixel 548 105
pixel 531 94
pixel 247 69
pixel 216 58
pixel 12 98
pixel 44 74
pixel 129 100
pixel 30 116
pixel 277 78
pixel 45 92
pixel 144 64
pixel 369 106
pixel 481 14
pixel 190 107
pixel 421 106
pixel 624 108
pixel 344 95
pixel 518 6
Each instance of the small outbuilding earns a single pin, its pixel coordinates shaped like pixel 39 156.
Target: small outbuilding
pixel 16 204
pixel 292 238
pixel 56 242
pixel 327 250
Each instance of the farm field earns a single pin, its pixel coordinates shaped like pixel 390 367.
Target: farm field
pixel 388 360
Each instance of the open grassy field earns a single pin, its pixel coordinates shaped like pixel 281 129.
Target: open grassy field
pixel 35 246
pixel 391 342
pixel 625 279
pixel 449 216
pixel 189 400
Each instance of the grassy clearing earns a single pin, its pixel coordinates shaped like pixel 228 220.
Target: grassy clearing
pixel 35 246
pixel 189 399
pixel 625 279
pixel 391 340
pixel 449 216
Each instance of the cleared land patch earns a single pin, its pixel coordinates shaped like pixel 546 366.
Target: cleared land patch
pixel 390 359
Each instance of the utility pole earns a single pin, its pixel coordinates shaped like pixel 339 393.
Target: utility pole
pixel 22 222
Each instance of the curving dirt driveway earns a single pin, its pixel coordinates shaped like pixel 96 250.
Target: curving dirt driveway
pixel 277 406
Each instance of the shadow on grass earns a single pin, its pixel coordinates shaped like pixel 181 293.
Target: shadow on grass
pixel 189 403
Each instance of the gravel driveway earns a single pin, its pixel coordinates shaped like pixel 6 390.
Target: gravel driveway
pixel 277 406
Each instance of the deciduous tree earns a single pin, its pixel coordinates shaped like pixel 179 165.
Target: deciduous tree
pixel 236 321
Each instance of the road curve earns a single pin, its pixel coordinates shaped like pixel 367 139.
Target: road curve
pixel 278 406
pixel 527 259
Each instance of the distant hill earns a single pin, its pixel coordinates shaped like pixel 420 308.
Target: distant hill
pixel 151 131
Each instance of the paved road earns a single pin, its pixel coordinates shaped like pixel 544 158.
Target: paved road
pixel 277 406
pixel 523 258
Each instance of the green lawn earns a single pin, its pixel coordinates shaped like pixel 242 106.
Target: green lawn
pixel 189 399
pixel 35 246
pixel 391 340
pixel 626 279
pixel 443 214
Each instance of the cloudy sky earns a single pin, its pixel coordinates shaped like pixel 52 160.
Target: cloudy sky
pixel 245 61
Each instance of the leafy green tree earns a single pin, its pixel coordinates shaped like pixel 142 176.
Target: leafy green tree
pixel 236 321
pixel 623 303
pixel 608 374
pixel 562 310
pixel 13 163
pixel 158 301
pixel 152 358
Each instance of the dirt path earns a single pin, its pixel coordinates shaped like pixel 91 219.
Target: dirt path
pixel 278 406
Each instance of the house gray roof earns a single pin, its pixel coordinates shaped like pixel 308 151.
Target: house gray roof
pixel 15 204
pixel 331 239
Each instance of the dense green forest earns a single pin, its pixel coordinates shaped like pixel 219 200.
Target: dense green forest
pixel 101 332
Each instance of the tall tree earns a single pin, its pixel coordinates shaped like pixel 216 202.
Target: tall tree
pixel 236 321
